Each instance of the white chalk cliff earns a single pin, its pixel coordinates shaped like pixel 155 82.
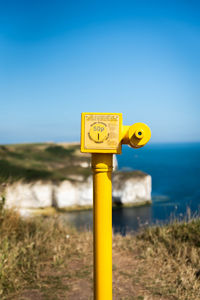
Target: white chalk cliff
pixel 128 188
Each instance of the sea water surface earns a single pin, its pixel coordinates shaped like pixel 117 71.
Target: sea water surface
pixel 175 171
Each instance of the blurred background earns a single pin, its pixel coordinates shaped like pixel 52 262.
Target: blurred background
pixel 140 58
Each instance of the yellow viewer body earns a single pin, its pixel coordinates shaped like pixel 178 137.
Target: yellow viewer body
pixel 103 134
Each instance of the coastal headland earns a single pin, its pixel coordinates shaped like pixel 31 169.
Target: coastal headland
pixel 37 177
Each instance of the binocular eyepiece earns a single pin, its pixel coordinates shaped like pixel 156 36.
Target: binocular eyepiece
pixel 137 135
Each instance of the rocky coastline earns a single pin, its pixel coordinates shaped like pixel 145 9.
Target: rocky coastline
pixel 67 184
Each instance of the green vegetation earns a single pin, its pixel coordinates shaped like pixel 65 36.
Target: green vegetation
pixel 45 259
pixel 30 162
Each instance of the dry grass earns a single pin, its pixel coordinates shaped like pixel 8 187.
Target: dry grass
pixel 168 264
pixel 31 251
pixel 172 253
pixel 40 258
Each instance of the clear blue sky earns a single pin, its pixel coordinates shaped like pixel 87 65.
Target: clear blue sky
pixel 61 58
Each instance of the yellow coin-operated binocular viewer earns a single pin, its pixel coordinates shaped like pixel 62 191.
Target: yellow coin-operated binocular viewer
pixel 103 134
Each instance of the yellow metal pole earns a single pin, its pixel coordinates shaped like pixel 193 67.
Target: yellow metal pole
pixel 103 134
pixel 102 222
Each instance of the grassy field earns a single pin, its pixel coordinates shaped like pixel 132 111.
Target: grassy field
pixel 46 161
pixel 42 259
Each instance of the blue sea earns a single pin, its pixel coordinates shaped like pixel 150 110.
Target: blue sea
pixel 175 171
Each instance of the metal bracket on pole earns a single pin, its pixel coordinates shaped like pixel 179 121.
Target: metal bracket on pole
pixel 103 134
